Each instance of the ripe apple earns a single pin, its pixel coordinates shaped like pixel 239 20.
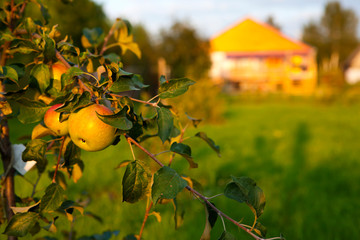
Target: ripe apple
pixel 52 121
pixel 88 132
pixel 57 70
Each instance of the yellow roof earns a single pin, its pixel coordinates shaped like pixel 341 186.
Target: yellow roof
pixel 250 36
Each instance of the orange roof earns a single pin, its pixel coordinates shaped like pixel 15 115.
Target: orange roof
pixel 252 37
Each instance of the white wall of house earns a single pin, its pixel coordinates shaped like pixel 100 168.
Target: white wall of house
pixel 352 75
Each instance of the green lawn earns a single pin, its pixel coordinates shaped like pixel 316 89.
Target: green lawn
pixel 303 154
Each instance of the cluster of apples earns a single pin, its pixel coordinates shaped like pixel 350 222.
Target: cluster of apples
pixel 84 127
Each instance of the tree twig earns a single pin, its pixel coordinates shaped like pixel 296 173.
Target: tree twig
pixel 196 193
pixel 110 33
pixel 58 160
pixel 145 219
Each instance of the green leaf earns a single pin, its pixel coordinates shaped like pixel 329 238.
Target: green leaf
pixel 49 49
pixel 72 154
pixel 165 122
pixel 130 237
pixel 29 25
pixel 68 48
pixel 211 217
pixel 104 236
pixel 44 12
pixel 260 229
pixel 6 37
pixel 41 75
pixel 68 77
pixel 185 151
pixel 118 120
pixel 95 36
pixel 17 210
pixel 174 87
pixel 21 223
pixel 209 141
pixel 31 111
pixel 112 57
pixel 22 50
pixel 35 150
pixel 127 83
pixel 227 236
pixel 195 121
pixel 75 102
pixel 167 184
pixel 244 189
pixel 9 73
pixel 54 196
pixel 135 182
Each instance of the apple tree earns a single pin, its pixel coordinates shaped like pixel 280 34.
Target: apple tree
pixel 78 102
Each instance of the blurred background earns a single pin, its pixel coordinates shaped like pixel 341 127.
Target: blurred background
pixel 278 90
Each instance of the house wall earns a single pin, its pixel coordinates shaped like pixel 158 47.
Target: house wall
pixel 352 73
pixel 288 73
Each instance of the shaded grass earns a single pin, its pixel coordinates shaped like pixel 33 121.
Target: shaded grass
pixel 304 155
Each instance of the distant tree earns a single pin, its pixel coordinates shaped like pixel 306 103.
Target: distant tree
pixel 146 66
pixel 72 20
pixel 271 21
pixel 334 34
pixel 184 51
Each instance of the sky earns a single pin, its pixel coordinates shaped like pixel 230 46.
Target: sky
pixel 210 17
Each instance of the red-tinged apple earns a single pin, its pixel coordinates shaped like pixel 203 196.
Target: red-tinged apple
pixel 88 132
pixel 52 121
pixel 57 70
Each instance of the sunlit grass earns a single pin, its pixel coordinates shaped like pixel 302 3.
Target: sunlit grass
pixel 303 154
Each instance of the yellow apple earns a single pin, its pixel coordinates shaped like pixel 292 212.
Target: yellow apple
pixel 52 121
pixel 57 69
pixel 88 132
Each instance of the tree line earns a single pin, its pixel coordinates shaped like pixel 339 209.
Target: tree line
pixel 186 53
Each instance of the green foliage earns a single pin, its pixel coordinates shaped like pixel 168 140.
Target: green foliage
pixel 53 198
pixel 227 236
pixel 35 151
pixel 31 111
pixel 209 141
pixel 21 224
pixel 135 182
pixel 40 75
pixel 244 189
pixel 185 151
pixel 118 120
pixel 174 87
pixel 41 71
pixel 186 53
pixel 85 13
pixel 335 33
pixel 165 121
pixel 9 73
pixel 167 184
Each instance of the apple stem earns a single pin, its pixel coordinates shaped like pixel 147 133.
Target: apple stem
pixel 131 148
pixel 58 160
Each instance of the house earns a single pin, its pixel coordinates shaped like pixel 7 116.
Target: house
pixel 253 56
pixel 352 67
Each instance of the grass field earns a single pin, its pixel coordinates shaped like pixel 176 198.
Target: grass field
pixel 305 155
